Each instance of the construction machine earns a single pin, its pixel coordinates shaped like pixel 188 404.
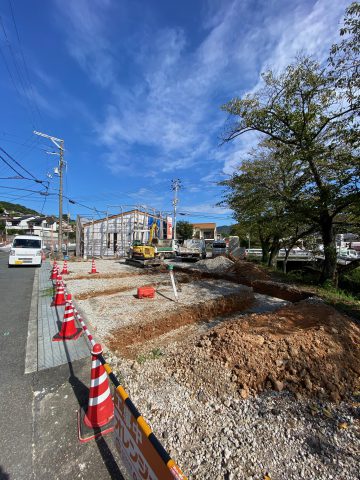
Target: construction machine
pixel 145 254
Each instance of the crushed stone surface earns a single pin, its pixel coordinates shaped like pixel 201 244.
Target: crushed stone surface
pixel 109 313
pixel 271 390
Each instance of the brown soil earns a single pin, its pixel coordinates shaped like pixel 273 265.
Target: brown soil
pixel 180 278
pixel 106 275
pixel 128 340
pixel 248 270
pixel 101 293
pixel 281 290
pixel 309 349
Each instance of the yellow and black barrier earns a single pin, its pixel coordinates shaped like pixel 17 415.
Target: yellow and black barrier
pixel 174 471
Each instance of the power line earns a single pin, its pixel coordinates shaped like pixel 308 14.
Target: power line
pixel 24 61
pixel 25 190
pixel 19 75
pixel 19 165
pixel 12 168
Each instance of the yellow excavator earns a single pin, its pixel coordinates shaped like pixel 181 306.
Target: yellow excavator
pixel 146 254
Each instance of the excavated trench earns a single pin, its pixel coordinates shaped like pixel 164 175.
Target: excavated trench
pixel 105 276
pixel 127 341
pixel 180 278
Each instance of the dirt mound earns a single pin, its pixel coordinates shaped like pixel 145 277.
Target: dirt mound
pixel 308 348
pixel 248 270
pixel 215 265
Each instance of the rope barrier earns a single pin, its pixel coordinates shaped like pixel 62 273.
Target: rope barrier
pixel 168 461
pixel 84 327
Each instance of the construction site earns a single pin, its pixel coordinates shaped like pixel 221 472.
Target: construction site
pixel 225 363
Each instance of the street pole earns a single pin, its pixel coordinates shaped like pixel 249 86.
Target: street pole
pixel 60 145
pixel 176 185
pixel 61 163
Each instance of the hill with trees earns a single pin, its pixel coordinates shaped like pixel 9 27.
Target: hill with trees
pixel 15 208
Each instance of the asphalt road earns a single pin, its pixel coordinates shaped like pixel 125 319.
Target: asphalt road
pixel 38 411
pixel 15 388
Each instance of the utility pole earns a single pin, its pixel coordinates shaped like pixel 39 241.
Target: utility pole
pixel 175 185
pixel 60 145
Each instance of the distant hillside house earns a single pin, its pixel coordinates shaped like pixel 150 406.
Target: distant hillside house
pixel 45 227
pixel 206 231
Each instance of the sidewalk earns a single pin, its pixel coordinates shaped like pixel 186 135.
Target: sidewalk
pixel 60 386
pixel 51 354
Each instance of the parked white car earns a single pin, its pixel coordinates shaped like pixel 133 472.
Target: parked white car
pixel 26 250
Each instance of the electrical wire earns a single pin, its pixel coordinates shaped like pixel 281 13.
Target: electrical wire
pixel 36 180
pixel 19 74
pixel 24 61
pixel 12 168
pixel 25 190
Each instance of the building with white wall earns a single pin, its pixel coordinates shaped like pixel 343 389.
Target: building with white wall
pixel 44 227
pixel 111 236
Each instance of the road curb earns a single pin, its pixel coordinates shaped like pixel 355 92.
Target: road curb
pixel 31 357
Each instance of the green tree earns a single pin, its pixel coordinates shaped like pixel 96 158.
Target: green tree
pixel 184 230
pixel 344 56
pixel 258 192
pixel 302 111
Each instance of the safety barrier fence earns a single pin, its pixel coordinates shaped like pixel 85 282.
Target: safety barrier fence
pixel 172 469
pixel 84 327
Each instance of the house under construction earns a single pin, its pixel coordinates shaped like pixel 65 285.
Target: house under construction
pixel 112 236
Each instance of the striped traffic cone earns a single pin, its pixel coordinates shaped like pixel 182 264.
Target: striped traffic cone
pixel 98 419
pixel 55 272
pixel 59 294
pixel 65 270
pixel 68 328
pixel 93 267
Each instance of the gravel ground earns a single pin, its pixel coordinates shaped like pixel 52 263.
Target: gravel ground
pixel 210 431
pixel 106 313
pixel 225 437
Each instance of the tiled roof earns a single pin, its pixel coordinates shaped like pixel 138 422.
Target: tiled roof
pixel 202 226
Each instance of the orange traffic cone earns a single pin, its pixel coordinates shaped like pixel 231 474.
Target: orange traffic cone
pixel 54 272
pixel 93 267
pixel 98 419
pixel 65 270
pixel 68 328
pixel 59 294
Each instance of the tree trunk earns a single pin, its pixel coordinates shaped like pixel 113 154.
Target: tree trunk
pixel 328 238
pixel 265 246
pixel 287 253
pixel 274 251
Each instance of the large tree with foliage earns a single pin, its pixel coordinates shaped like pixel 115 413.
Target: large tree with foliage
pixel 302 110
pixel 184 230
pixel 259 193
pixel 344 57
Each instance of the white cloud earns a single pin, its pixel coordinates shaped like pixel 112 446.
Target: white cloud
pixel 171 108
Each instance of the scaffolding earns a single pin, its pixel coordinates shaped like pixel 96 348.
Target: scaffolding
pixel 112 236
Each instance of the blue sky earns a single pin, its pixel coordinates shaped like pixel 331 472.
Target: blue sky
pixel 135 87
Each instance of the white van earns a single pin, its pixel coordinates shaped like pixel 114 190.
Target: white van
pixel 219 248
pixel 26 250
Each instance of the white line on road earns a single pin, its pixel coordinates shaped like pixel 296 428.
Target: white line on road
pixel 31 358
